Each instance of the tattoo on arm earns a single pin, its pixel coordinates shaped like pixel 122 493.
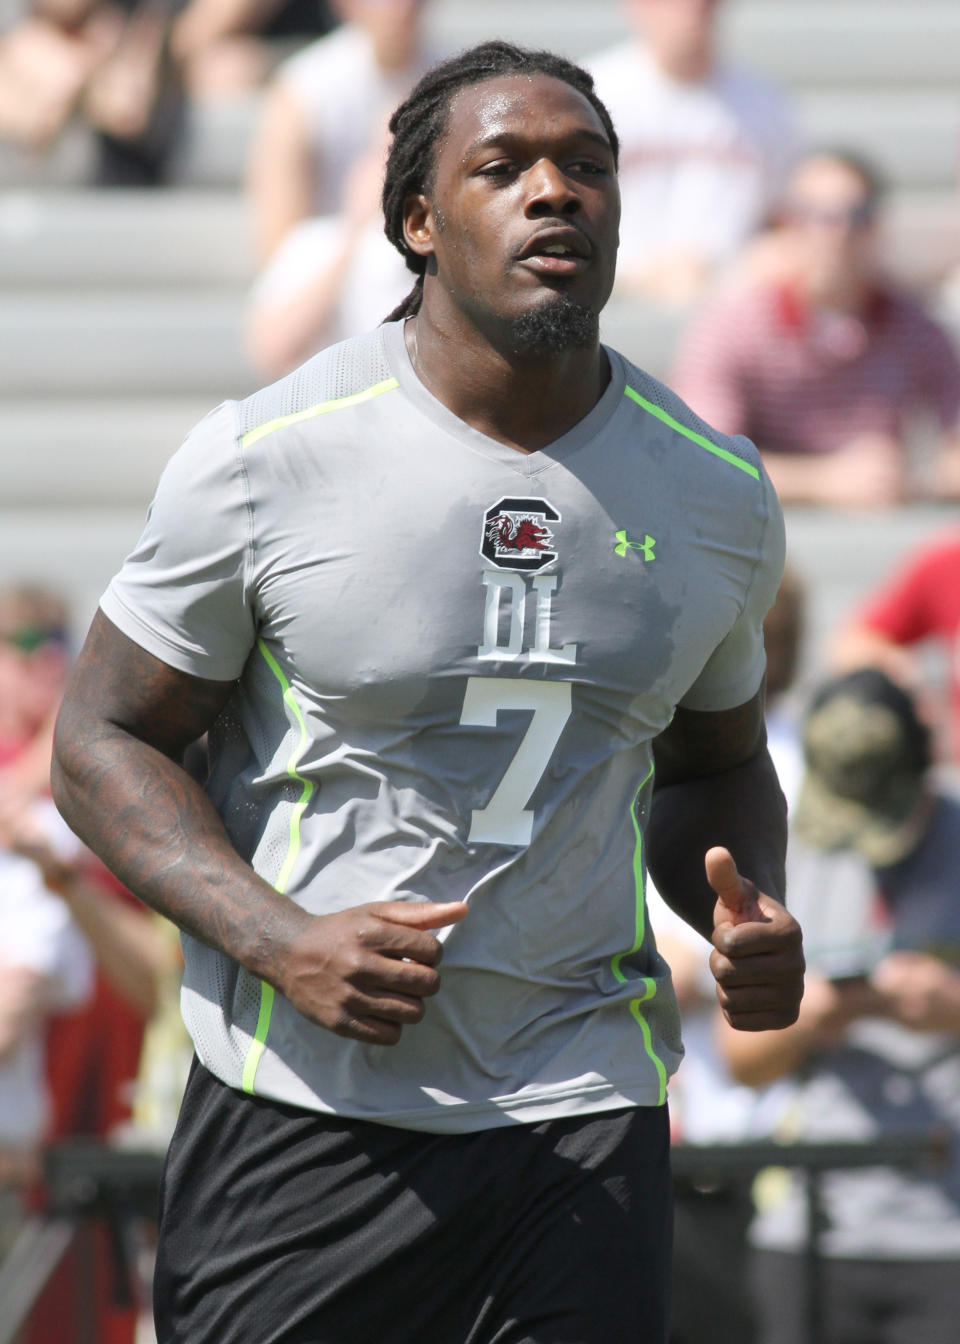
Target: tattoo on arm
pixel 124 725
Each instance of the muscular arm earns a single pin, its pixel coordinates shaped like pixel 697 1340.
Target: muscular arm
pixel 117 778
pixel 715 785
pixel 718 812
pixel 125 722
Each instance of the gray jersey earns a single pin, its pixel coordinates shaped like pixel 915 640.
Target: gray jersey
pixel 452 659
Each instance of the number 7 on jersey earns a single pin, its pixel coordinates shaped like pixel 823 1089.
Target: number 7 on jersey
pixel 506 820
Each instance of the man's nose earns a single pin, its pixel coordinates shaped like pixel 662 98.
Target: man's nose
pixel 550 191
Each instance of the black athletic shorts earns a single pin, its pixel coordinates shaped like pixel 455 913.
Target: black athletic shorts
pixel 281 1226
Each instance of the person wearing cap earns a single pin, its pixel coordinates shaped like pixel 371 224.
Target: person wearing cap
pixel 873 875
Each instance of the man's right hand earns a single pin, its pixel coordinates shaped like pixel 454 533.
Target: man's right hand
pixel 364 973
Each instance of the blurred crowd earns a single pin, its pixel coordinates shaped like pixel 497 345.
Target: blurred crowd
pixel 794 332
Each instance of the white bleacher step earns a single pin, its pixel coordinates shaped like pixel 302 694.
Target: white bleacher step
pixel 75 452
pixel 121 343
pixel 798 41
pixel 91 237
pixel 911 133
pixel 124 344
pixel 73 551
pixel 845 42
pixel 569 27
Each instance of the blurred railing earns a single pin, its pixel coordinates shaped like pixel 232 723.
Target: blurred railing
pixel 89 1181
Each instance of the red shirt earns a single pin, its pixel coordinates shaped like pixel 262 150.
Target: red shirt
pixel 922 602
pixel 796 380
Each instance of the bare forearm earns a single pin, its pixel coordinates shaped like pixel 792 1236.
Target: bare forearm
pixel 159 833
pixel 280 335
pixel 742 809
pixel 760 1057
pixel 127 946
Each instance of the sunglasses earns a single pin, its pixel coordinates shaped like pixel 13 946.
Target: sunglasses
pixel 853 217
pixel 30 638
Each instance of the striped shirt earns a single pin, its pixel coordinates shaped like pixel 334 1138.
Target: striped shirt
pixel 764 364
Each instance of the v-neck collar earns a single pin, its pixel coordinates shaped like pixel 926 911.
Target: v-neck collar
pixel 524 464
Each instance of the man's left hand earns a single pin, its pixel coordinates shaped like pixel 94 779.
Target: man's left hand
pixel 757 960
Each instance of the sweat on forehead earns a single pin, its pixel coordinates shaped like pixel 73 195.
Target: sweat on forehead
pixel 510 105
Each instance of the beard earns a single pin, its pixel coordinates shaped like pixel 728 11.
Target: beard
pixel 555 327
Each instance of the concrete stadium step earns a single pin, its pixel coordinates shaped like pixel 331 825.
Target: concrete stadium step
pixel 73 551
pixel 76 453
pixel 121 343
pixel 799 41
pixel 911 133
pixel 116 343
pixel 843 43
pixel 95 237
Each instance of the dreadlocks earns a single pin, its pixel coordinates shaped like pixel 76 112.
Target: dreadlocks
pixel 419 124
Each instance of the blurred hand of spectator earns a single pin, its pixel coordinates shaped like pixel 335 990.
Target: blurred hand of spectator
pixel 202 23
pixel 827 1010
pixel 919 991
pixel 868 472
pixel 122 936
pixel 122 92
pixel 45 63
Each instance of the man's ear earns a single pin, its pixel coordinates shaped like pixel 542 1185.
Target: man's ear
pixel 419 225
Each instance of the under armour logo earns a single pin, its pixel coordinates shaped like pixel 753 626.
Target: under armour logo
pixel 646 546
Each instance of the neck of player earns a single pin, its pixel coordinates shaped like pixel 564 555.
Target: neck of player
pixel 525 400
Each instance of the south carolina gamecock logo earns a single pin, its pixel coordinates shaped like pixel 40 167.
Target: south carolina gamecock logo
pixel 517 535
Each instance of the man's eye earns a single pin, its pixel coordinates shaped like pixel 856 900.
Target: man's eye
pixel 499 169
pixel 588 166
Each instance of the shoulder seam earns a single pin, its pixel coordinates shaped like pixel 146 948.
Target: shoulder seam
pixel 321 408
pixel 691 434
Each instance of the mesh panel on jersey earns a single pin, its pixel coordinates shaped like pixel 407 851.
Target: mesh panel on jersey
pixel 246 1001
pixel 669 401
pixel 273 852
pixel 215 977
pixel 339 371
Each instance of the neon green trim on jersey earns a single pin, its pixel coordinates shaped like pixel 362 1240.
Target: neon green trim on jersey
pixel 690 434
pixel 259 1042
pixel 649 985
pixel 322 408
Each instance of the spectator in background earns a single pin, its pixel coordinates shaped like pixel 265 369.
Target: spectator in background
pixel 823 363
pixel 704 148
pixel 920 602
pixel 226 47
pixel 45 967
pixel 873 876
pixel 34 661
pixel 108 64
pixel 93 1043
pixel 315 179
pixel 125 68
